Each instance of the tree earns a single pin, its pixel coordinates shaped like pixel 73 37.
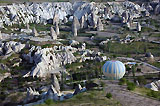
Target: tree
pixel 131 86
pixel 133 72
pixel 108 46
pixel 141 80
pixel 109 95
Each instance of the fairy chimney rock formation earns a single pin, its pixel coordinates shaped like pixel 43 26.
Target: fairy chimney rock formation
pixel 0 35
pixel 34 32
pixel 53 34
pixel 99 25
pixel 57 28
pixel 139 27
pixel 55 18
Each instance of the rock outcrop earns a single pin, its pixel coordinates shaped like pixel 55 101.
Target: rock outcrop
pixel 57 28
pixel 34 32
pixel 10 47
pixel 149 55
pixel 56 84
pixel 99 25
pixel 31 94
pixel 79 89
pixel 157 9
pixel 53 34
pixel 76 22
pixel 55 18
pixel 47 60
pixel 155 86
pixel 73 42
pixel 1 36
pixel 40 13
pixel 75 26
pixel 94 19
pixel 138 27
pixel 52 94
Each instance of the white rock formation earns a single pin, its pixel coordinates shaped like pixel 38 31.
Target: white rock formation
pixel 73 42
pixel 11 47
pixel 149 55
pixel 157 9
pixel 83 46
pixel 99 25
pixel 138 27
pixel 74 30
pixel 79 89
pixel 125 16
pixel 47 60
pixel 52 94
pixel 34 32
pixel 31 93
pixel 76 22
pixel 65 20
pixel 0 35
pixel 5 75
pixel 155 86
pixel 94 19
pixel 75 26
pixel 82 22
pixel 53 34
pixel 27 26
pixel 56 84
pixel 33 12
pixel 55 18
pixel 57 28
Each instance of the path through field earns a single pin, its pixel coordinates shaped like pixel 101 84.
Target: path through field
pixel 127 98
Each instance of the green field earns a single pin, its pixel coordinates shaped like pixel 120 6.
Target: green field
pixel 89 98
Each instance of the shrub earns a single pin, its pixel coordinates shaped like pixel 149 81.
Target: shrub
pixel 131 86
pixel 48 101
pixel 102 84
pixel 138 69
pixel 109 95
pixel 153 94
pixel 141 80
pixel 122 81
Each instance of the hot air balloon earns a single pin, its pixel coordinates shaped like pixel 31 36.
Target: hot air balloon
pixel 113 70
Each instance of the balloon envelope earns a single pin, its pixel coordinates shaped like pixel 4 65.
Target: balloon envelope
pixel 114 70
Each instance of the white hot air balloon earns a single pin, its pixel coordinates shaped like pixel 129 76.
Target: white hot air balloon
pixel 113 70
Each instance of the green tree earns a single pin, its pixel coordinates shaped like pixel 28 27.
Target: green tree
pixel 141 80
pixel 109 95
pixel 133 72
pixel 109 46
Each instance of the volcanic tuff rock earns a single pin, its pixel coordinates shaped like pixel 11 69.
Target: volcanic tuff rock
pixel 47 60
pixel 138 27
pixel 0 35
pixel 40 13
pixel 157 9
pixel 57 28
pixel 34 32
pixel 154 85
pixel 52 94
pixel 99 25
pixel 56 83
pixel 75 26
pixel 55 18
pixel 31 93
pixel 11 47
pixel 53 34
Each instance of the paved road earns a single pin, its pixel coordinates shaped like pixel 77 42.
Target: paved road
pixel 127 98
pixel 149 65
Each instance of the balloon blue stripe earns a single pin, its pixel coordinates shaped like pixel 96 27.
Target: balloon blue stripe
pixel 110 68
pixel 115 69
pixel 106 66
